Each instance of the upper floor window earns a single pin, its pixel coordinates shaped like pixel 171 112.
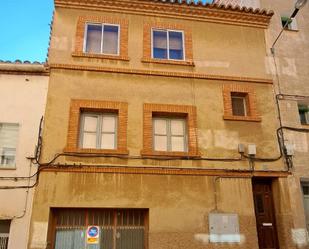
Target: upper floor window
pixel 98 131
pixel 169 134
pixel 288 23
pixel 102 39
pixel 8 143
pixel 97 127
pixel 239 104
pixel 167 44
pixel 303 111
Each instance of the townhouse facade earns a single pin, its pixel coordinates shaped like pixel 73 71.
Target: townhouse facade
pixel 23 90
pixel 160 130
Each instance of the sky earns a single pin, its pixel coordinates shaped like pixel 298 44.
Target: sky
pixel 24 29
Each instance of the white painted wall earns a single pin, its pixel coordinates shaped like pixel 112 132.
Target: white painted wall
pixel 22 101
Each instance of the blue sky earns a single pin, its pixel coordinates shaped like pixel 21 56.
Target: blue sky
pixel 24 29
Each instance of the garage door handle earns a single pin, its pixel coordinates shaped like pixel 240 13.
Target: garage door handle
pixel 267 224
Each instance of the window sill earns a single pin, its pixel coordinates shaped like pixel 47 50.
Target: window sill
pixel 7 167
pixel 171 62
pixel 100 56
pixel 160 154
pixel 242 118
pixel 293 30
pixel 97 151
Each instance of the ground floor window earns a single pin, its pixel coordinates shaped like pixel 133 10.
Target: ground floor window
pixel 4 233
pixel 100 228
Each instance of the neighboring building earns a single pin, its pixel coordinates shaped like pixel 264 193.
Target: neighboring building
pixel 149 105
pixel 23 90
pixel 291 77
pixel 289 66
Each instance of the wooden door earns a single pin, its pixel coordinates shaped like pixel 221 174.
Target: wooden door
pixel 265 216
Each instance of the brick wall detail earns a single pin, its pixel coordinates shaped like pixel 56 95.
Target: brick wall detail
pixel 187 43
pixel 251 104
pixel 80 35
pixel 77 106
pixel 170 110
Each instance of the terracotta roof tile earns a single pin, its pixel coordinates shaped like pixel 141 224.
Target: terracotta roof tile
pixel 232 5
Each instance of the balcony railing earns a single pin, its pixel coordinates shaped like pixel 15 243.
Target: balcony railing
pixel 4 240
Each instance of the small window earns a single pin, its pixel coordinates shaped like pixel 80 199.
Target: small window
pixel 8 143
pixel 102 39
pixel 288 23
pixel 98 131
pixel 169 134
pixel 4 233
pixel 303 111
pixel 167 44
pixel 239 104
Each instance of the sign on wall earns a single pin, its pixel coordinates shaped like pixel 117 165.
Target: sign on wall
pixel 93 235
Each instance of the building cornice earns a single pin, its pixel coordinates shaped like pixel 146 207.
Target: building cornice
pixel 198 12
pixel 161 73
pixel 164 171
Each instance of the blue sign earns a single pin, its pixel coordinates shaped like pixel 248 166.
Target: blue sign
pixel 93 231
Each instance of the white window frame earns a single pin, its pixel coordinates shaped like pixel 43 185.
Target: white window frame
pixel 244 104
pixel 10 166
pixel 168 44
pixel 169 133
pixel 102 41
pixel 99 129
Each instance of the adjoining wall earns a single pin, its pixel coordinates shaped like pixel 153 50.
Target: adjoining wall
pixel 22 99
pixel 289 66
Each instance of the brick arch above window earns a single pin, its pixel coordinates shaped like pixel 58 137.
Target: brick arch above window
pixel 80 36
pixel 147 43
pixel 248 94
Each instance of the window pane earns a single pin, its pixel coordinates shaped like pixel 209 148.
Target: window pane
pixel 94 37
pixel 160 127
pixel 110 39
pixel 238 106
pixel 178 144
pixel 160 44
pixel 108 123
pixel 175 45
pixel 108 141
pixel 70 238
pixel 90 123
pixel 177 127
pixel 160 143
pixel 89 140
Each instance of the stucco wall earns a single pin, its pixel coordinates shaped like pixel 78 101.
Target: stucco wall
pixel 292 77
pixel 22 100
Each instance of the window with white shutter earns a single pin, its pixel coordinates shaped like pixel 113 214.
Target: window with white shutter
pixel 8 143
pixel 98 131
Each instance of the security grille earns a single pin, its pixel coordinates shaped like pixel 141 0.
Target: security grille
pixel 4 240
pixel 119 228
